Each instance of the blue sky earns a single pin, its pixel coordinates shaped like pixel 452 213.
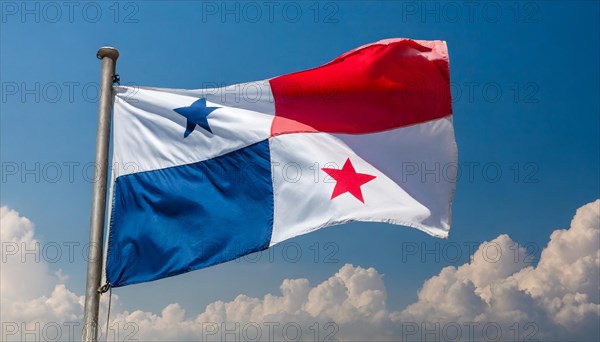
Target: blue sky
pixel 525 88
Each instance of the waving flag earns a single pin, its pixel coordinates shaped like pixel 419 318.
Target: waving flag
pixel 206 176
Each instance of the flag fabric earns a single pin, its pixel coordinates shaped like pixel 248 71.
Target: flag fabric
pixel 205 176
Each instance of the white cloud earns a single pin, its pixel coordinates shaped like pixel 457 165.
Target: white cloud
pixel 30 291
pixel 36 303
pixel 560 294
pixel 496 294
pixel 17 235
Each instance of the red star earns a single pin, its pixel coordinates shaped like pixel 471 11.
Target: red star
pixel 348 180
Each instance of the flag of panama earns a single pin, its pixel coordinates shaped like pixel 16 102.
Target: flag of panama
pixel 206 176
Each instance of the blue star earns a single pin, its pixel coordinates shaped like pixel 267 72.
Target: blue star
pixel 196 114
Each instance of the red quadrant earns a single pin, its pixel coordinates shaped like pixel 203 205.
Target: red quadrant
pixel 377 87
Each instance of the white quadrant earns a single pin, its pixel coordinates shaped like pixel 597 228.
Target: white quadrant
pixel 303 191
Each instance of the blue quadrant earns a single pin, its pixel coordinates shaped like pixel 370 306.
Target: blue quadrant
pixel 175 220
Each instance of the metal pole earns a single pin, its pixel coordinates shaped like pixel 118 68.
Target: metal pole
pixel 109 56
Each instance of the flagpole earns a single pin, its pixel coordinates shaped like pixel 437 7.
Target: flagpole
pixel 109 56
